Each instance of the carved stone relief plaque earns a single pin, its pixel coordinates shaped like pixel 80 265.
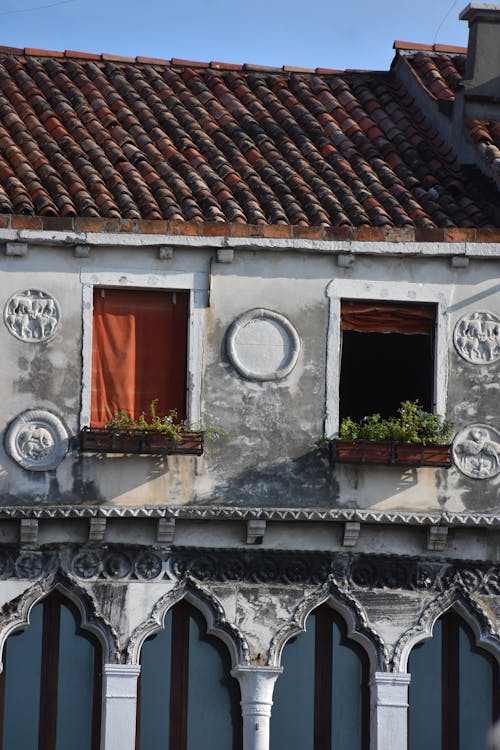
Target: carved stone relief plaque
pixel 477 337
pixel 37 440
pixel 263 345
pixel 32 315
pixel 476 451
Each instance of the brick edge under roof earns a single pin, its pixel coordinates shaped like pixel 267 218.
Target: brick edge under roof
pixel 173 62
pixel 269 231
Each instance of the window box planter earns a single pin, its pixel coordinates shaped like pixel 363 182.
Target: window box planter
pixel 388 453
pixel 102 440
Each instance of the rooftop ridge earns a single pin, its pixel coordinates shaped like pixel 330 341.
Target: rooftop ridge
pixel 448 49
pixel 173 62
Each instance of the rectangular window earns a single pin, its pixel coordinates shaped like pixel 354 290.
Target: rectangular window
pixel 388 341
pixel 387 356
pixel 139 352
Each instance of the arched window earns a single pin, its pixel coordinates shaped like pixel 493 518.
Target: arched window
pixel 187 697
pixel 321 700
pixel 51 681
pixel 454 690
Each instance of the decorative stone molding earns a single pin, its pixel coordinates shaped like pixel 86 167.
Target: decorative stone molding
pixel 351 533
pixel 14 616
pixel 231 513
pixel 358 629
pixel 165 531
pixel 32 315
pixel 37 440
pixel 477 337
pixel 263 345
pixel 28 532
pixel 476 451
pixel 97 529
pixel 459 598
pixel 255 531
pixel 212 611
pixel 437 537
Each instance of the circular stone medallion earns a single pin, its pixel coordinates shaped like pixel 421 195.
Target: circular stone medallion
pixel 37 440
pixel 477 337
pixel 263 345
pixel 32 315
pixel 476 451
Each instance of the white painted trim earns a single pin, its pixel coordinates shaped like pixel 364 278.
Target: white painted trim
pixel 397 291
pixel 119 704
pixel 120 240
pixel 194 282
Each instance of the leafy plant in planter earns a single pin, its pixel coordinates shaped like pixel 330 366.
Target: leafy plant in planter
pixel 147 434
pixel 413 437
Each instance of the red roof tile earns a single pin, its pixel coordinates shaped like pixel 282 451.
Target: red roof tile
pixel 90 137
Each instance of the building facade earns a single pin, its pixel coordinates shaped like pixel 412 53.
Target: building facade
pixel 266 252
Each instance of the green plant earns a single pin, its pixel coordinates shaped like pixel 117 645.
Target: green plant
pixel 166 425
pixel 411 425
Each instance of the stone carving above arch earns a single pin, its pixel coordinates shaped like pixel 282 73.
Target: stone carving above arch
pixel 37 440
pixel 32 315
pixel 477 337
pixel 476 451
pixel 211 609
pixel 263 345
pixel 15 615
pixel 458 599
pixel 353 615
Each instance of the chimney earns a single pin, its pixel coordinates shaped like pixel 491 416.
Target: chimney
pixel 482 70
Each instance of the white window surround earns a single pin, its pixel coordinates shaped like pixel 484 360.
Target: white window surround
pixel 383 291
pixel 194 282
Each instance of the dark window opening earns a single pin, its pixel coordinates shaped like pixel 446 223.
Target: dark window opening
pixel 50 686
pixel 387 357
pixel 187 697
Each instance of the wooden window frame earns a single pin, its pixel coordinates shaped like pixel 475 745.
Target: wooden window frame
pixel 362 289
pixel 196 283
pixel 324 668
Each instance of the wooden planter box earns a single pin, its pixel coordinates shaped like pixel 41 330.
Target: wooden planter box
pixel 100 440
pixel 386 453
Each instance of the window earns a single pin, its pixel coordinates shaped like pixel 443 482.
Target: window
pixel 454 691
pixel 142 339
pixel 187 697
pixel 321 699
pixel 138 352
pixel 51 682
pixel 383 335
pixel 387 356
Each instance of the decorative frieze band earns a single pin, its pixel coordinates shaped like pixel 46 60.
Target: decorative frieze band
pixel 351 571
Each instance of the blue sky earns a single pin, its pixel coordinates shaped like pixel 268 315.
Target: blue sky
pixel 319 33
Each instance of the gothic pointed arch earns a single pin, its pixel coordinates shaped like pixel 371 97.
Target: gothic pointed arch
pixel 356 621
pixel 467 606
pixel 189 589
pixel 15 614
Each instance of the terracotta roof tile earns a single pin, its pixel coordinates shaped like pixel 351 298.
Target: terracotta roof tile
pixel 139 139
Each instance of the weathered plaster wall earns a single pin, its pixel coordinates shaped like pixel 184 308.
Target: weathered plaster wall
pixel 266 456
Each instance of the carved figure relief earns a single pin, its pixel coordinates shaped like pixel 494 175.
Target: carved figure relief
pixel 477 337
pixel 37 440
pixel 476 451
pixel 32 315
pixel 263 345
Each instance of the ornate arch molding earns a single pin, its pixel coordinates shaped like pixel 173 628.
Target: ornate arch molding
pixel 15 615
pixel 353 615
pixel 464 604
pixel 211 609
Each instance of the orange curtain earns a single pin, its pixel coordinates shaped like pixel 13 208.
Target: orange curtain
pixel 387 317
pixel 138 352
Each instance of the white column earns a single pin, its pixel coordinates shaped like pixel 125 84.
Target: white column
pixel 256 685
pixel 119 706
pixel 389 710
